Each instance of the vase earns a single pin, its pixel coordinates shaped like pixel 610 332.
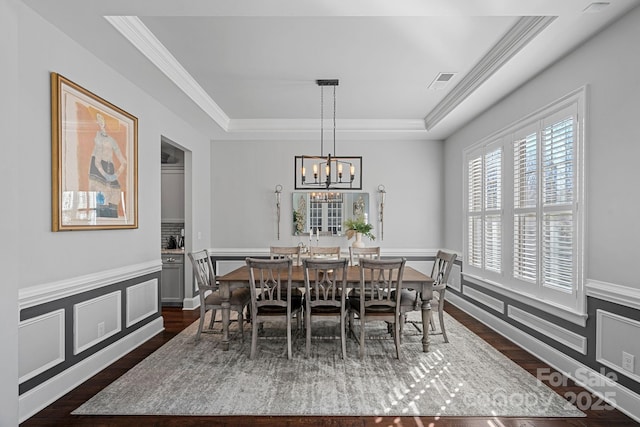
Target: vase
pixel 358 243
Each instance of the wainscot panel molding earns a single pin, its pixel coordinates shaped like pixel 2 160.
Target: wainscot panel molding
pixel 571 316
pixel 142 301
pixel 619 294
pixel 96 320
pixel 616 334
pixel 44 394
pixel 551 330
pixel 41 294
pixel 41 344
pixel 484 299
pixel 625 400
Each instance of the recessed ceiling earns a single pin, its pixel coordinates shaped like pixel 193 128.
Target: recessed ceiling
pixel 244 68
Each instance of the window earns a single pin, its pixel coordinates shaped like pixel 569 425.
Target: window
pixel 523 206
pixel 326 216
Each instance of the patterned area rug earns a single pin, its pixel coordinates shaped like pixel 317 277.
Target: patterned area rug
pixel 466 377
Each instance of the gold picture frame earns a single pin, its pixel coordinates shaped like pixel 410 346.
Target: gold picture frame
pixel 94 161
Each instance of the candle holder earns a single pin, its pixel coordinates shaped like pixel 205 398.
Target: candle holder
pixel 382 195
pixel 278 194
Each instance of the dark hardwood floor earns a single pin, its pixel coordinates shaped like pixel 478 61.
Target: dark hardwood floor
pixel 175 320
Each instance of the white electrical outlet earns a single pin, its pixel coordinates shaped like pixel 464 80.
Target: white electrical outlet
pixel 627 361
pixel 100 329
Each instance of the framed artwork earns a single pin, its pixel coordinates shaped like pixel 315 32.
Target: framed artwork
pixel 94 161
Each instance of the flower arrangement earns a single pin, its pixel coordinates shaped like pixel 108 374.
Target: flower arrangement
pixel 357 225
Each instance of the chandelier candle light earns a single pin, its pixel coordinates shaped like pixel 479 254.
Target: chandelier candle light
pixel 331 171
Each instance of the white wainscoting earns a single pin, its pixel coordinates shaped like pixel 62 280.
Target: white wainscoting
pixel 551 330
pixel 616 334
pixel 95 320
pixel 454 278
pixel 47 292
pixel 40 344
pixel 39 397
pixel 483 298
pixel 625 400
pixel 142 301
pixel 619 294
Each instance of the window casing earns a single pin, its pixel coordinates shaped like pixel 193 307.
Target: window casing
pixel 524 206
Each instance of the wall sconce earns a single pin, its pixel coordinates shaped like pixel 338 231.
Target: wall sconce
pixel 278 194
pixel 383 197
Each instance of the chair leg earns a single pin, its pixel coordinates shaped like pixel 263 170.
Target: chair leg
pixel 343 333
pixel 307 321
pixel 201 324
pixel 441 319
pixel 402 320
pixel 362 336
pixel 213 319
pixel 396 338
pixel 288 337
pixel 241 324
pixel 254 337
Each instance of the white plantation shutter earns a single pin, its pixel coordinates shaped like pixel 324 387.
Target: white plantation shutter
pixel 557 250
pixel 493 243
pixel 524 206
pixel 557 162
pixel 474 255
pixel 493 214
pixel 484 211
pixel 525 202
pixel 474 208
pixel 558 204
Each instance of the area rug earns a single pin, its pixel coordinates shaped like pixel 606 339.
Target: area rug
pixel 465 377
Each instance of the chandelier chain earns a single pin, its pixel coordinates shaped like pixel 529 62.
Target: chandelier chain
pixel 334 121
pixel 322 121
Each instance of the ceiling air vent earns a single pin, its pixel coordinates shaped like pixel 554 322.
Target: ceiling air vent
pixel 441 81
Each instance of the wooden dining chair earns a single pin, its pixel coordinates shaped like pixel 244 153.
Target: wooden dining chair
pixel 380 281
pixel 292 252
pixel 271 299
pixel 410 299
pixel 210 298
pixel 324 252
pixel 325 283
pixel 371 252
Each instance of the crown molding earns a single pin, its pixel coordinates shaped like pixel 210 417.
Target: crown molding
pixel 525 30
pixel 312 125
pixel 132 28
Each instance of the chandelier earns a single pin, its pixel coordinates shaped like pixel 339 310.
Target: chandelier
pixel 330 171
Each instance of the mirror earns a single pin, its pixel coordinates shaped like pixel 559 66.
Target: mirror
pixel 326 212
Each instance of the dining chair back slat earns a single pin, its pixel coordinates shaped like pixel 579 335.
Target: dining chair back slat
pixel 210 298
pixel 325 294
pixel 380 282
pixel 324 252
pixel 271 296
pixel 370 252
pixel 292 252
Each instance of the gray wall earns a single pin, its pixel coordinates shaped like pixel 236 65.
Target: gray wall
pixel 610 65
pixel 39 260
pixel 71 254
pixel 9 170
pixel 245 173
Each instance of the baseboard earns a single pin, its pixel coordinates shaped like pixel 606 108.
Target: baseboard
pixel 191 303
pixel 610 391
pixel 43 395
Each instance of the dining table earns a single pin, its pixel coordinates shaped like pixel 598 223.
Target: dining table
pixel 411 279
